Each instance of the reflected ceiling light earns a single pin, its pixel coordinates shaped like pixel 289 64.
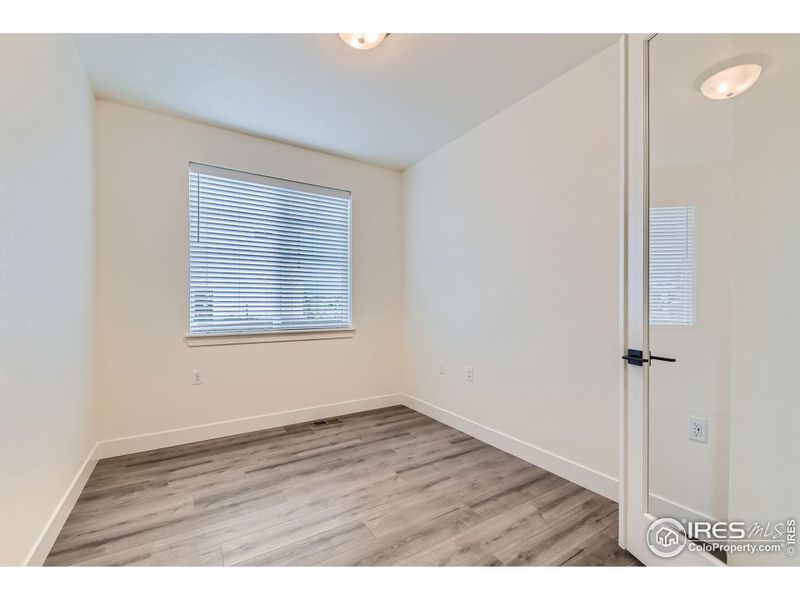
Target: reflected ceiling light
pixel 363 41
pixel 730 82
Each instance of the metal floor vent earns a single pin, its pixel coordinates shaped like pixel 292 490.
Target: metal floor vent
pixel 325 422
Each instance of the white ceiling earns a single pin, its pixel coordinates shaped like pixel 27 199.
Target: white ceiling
pixel 390 106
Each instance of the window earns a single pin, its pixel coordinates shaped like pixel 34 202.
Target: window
pixel 672 265
pixel 266 255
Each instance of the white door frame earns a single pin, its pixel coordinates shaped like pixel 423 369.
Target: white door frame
pixel 634 331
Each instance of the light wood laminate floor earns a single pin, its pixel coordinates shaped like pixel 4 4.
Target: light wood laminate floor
pixel 384 487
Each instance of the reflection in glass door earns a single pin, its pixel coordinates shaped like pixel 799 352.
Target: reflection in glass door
pixel 724 282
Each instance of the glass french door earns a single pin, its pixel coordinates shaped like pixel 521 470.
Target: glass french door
pixel 710 413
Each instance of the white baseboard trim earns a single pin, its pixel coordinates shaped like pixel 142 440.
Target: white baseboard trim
pixel 199 433
pixel 584 476
pixel 664 507
pixel 41 548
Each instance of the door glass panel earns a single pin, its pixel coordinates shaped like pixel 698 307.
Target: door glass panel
pixel 724 286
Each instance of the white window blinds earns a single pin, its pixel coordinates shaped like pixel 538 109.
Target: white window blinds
pixel 672 265
pixel 266 254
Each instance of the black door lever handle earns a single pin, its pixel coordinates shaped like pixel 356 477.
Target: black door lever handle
pixel 630 358
pixel 664 358
pixel 636 358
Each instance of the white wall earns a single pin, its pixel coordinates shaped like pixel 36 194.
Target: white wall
pixel 47 425
pixel 144 363
pixel 765 410
pixel 512 268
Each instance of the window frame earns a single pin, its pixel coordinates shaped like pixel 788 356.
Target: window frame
pixel 277 335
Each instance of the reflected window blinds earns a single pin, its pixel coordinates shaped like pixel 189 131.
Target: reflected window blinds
pixel 672 270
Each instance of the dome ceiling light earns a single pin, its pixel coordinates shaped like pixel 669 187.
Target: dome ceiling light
pixel 363 41
pixel 730 82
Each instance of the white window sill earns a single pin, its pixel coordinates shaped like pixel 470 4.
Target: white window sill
pixel 215 339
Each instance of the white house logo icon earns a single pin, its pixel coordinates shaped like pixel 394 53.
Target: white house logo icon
pixel 666 537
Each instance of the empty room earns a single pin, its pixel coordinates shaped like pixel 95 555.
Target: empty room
pixel 399 299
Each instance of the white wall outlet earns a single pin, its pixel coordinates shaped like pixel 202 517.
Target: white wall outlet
pixel 698 429
pixel 442 368
pixel 470 374
pixel 197 377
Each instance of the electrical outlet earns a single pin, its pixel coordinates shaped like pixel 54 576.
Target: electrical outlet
pixel 442 368
pixel 470 374
pixel 197 377
pixel 698 429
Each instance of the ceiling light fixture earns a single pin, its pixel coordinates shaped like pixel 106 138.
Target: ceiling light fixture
pixel 730 82
pixel 363 41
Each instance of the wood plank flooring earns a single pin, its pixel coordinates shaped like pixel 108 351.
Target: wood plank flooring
pixel 384 487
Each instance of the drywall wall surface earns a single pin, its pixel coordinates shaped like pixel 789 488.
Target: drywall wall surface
pixel 512 269
pixel 46 382
pixel 145 366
